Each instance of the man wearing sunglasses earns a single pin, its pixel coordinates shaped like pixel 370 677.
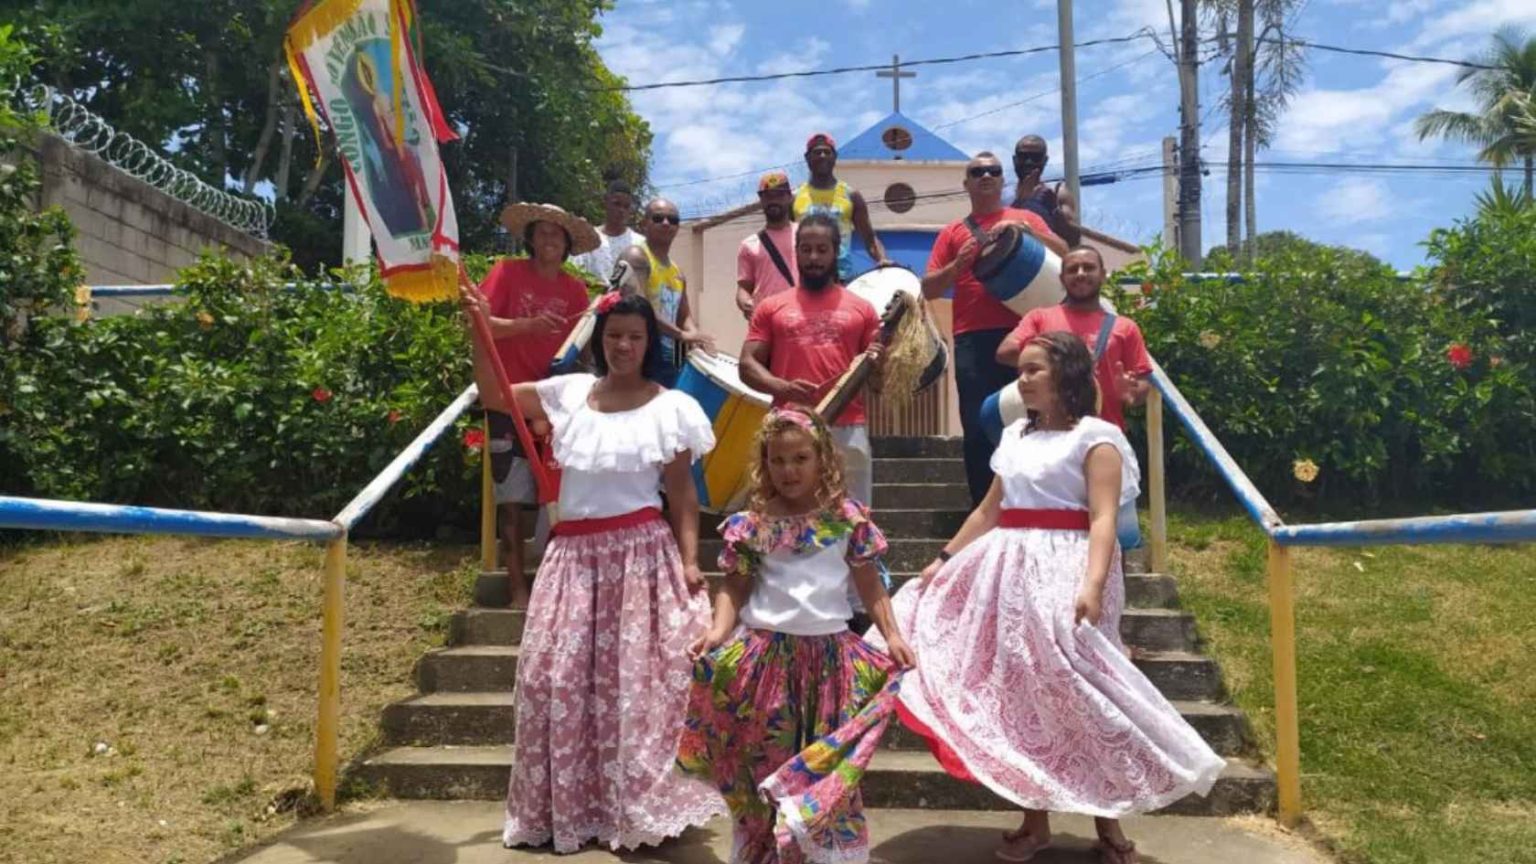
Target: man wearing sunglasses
pixel 980 321
pixel 667 289
pixel 1053 204
pixel 829 196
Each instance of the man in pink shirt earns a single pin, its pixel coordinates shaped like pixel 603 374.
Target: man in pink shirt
pixel 1121 361
pixel 981 321
pixel 765 263
pixel 801 341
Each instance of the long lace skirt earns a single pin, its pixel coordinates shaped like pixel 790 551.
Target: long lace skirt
pixel 1048 714
pixel 602 689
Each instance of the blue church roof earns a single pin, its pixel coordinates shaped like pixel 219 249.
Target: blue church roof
pixel 874 144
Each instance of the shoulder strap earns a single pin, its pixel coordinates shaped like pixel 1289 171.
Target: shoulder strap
pixel 773 252
pixel 971 223
pixel 1103 340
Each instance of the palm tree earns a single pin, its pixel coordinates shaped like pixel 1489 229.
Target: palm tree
pixel 1504 88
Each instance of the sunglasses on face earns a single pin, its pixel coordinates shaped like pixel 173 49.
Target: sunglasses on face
pixel 979 171
pixel 672 219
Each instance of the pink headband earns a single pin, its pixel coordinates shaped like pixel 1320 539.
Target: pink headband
pixel 795 416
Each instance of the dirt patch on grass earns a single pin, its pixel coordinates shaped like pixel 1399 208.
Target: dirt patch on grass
pixel 160 692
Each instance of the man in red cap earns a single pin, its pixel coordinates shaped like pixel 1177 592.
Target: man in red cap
pixel 765 263
pixel 827 195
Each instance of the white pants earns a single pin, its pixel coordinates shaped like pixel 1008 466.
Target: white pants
pixel 858 462
pixel 859 475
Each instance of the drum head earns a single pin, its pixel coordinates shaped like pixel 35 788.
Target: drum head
pixel 725 370
pixel 994 256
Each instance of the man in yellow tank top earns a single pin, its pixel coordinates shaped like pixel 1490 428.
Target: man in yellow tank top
pixel 667 289
pixel 825 194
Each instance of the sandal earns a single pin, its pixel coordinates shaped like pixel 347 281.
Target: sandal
pixel 1020 846
pixel 1111 852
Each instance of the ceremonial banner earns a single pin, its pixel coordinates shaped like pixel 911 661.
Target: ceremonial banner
pixel 361 58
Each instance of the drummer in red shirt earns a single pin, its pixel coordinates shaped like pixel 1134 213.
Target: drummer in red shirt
pixel 980 321
pixel 800 342
pixel 532 305
pixel 1121 362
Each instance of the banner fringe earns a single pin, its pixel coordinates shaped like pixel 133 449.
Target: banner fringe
pixel 440 281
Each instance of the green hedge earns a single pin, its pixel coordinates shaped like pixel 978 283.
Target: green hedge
pixel 246 396
pixel 1406 396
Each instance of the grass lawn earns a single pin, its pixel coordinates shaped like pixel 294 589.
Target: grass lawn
pixel 159 693
pixel 1417 686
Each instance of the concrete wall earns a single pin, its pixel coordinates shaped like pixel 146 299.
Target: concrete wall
pixel 127 231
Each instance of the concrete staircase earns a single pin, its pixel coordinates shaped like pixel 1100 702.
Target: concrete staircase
pixel 454 739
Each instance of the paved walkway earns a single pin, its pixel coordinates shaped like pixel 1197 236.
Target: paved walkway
pixel 432 832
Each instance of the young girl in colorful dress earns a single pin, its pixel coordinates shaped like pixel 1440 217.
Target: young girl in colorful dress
pixel 1024 684
pixel 603 675
pixel 788 708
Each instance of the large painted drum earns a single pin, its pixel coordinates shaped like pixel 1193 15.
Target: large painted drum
pixel 1000 410
pixel 724 473
pixel 568 358
pixel 1017 270
pixel 878 286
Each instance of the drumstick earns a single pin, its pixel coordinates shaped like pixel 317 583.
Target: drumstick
pixel 843 392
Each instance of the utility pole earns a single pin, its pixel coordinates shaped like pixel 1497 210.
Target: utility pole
pixel 1189 138
pixel 1069 103
pixel 1170 194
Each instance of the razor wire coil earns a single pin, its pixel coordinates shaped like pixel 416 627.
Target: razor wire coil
pixel 89 132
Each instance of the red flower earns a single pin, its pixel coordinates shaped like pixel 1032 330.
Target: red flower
pixel 608 301
pixel 395 416
pixel 474 438
pixel 321 395
pixel 1459 355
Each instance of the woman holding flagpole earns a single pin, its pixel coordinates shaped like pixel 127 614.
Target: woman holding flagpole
pixel 604 671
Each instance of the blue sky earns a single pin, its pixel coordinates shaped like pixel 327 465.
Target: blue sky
pixel 1354 109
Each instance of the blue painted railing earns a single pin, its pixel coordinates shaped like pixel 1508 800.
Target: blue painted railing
pixel 42 514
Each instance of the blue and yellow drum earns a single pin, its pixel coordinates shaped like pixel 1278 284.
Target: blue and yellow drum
pixel 723 475
pixel 568 358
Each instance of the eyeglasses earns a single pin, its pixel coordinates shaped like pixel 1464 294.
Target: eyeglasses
pixel 978 171
pixel 672 218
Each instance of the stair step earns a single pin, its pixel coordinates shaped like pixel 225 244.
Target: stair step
pixel 1146 629
pixel 896 779
pixel 468 669
pixel 1143 591
pixel 1223 727
pixel 920 521
pixel 437 719
pixel 478 626
pixel 899 447
pixel 1182 676
pixel 920 471
pixel 914 496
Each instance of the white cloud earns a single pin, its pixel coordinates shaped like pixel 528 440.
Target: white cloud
pixel 858 5
pixel 724 38
pixel 1356 200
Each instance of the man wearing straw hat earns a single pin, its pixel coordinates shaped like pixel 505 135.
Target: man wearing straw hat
pixel 532 304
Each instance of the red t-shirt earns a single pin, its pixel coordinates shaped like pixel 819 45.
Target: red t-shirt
pixel 1126 346
pixel 516 290
pixel 815 336
pixel 975 309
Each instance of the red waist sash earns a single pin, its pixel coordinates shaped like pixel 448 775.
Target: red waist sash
pixel 582 527
pixel 1057 520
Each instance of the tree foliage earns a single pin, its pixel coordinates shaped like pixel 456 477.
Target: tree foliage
pixel 1504 126
pixel 206 82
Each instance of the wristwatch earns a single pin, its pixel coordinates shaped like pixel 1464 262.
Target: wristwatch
pixel 943 556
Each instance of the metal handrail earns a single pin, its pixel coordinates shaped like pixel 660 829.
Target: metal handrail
pixel 1505 527
pixel 53 515
pixel 44 514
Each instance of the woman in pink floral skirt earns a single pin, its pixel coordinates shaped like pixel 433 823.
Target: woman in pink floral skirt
pixel 604 671
pixel 1022 681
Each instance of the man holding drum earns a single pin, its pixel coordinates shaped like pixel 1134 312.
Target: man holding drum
pixel 801 341
pixel 980 321
pixel 532 305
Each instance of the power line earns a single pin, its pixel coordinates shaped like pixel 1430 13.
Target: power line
pixel 1143 33
pixel 1366 52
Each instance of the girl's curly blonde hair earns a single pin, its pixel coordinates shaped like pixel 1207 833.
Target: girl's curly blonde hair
pixel 832 490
